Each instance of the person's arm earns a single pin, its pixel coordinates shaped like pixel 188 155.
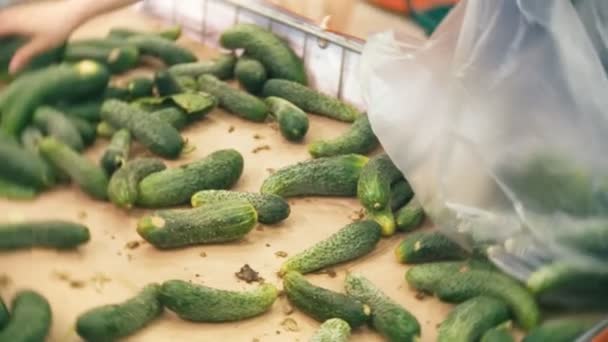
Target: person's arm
pixel 49 23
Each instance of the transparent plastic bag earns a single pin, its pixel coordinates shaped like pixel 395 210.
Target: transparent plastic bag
pixel 500 123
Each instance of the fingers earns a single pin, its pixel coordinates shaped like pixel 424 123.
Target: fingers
pixel 27 52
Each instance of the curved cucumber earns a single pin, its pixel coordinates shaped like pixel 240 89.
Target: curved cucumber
pixel 401 194
pixel 322 304
pixel 392 320
pixel 200 303
pixel 57 125
pixel 221 67
pixel 234 100
pixel 164 49
pixel 332 330
pixel 117 152
pixel 24 167
pixel 111 322
pixel 211 223
pixel 270 208
pixel 30 318
pixel 219 170
pixel 426 246
pixel 358 139
pixel 277 57
pixel 293 122
pixel 470 320
pixel 14 191
pixel 559 330
pixel 350 242
pixel 410 216
pixel 140 87
pixel 310 100
pixel 123 186
pixel 90 177
pixel 331 176
pixel 160 137
pixel 251 74
pixel 85 128
pixel 118 59
pixel 52 234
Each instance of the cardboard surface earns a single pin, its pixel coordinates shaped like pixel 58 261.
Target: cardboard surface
pixel 107 271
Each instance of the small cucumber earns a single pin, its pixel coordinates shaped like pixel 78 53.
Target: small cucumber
pixel 51 234
pixel 158 136
pixel 271 209
pixel 322 304
pixel 30 318
pixel 163 49
pixel 352 241
pixel 170 33
pixel 24 167
pixel 560 330
pixel 200 303
pixel 277 57
pixel 426 246
pixel 563 275
pixel 140 87
pixel 55 124
pixel 85 128
pixel 331 176
pixel 118 59
pixel 358 139
pixel 310 100
pixel 392 320
pixel 90 177
pixel 250 73
pixel 374 190
pixel 123 186
pixel 499 333
pixel 89 110
pixel 332 330
pixel 234 100
pixel 117 93
pixel 174 116
pixel 219 170
pixel 470 320
pixel 221 67
pixel 105 130
pixel 410 216
pixel 4 315
pixel 112 322
pixel 211 223
pixel 14 191
pixel 455 284
pixel 117 152
pixel 293 122
pixel 166 84
pixel 401 194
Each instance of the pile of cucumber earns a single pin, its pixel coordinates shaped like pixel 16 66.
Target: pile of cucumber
pixel 52 112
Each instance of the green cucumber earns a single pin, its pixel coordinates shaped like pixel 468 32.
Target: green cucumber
pixel 55 124
pixel 560 330
pixel 61 82
pixel 50 234
pixel 90 177
pixel 392 320
pixel 163 49
pixel 250 73
pixel 24 167
pixel 166 84
pixel 499 333
pixel 4 315
pixel 427 246
pixel 211 223
pixel 401 194
pixel 200 303
pixel 118 59
pixel 471 319
pixel 234 100
pixel 374 190
pixel 117 152
pixel 9 45
pixel 112 322
pixel 85 128
pixel 331 176
pixel 30 138
pixel 14 191
pixel 358 139
pixel 140 87
pixel 453 284
pixel 410 216
pixel 219 170
pixel 117 93
pixel 271 209
pixel 277 57
pixel 158 136
pixel 351 242
pixel 322 304
pixel 89 110
pixel 105 130
pixel 174 116
pixel 563 275
pixel 310 100
pixel 332 330
pixel 170 33
pixel 293 122
pixel 221 67
pixel 123 186
pixel 30 318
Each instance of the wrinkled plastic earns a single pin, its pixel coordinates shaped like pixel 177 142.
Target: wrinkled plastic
pixel 500 123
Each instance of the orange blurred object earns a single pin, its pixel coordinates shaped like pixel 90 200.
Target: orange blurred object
pixel 417 5
pixel 602 337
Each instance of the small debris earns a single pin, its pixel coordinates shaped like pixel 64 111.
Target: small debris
pixel 281 254
pixel 129 257
pixel 255 340
pixel 290 324
pixel 420 295
pixel 63 276
pixel 261 148
pixel 357 215
pixel 330 272
pixel 197 275
pixel 132 244
pixel 257 137
pixel 203 254
pixel 260 229
pixel 270 170
pixel 267 245
pixel 99 280
pixel 247 274
pixel 119 253
pixel 287 308
pixel 113 237
pixel 278 332
pixel 82 215
pixel 274 126
pixel 5 280
pixel 77 284
pixel 230 129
